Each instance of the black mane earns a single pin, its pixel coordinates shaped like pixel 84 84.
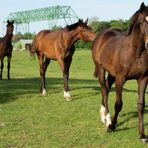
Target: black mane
pixel 75 25
pixel 133 20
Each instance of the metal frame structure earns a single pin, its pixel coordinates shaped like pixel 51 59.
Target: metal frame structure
pixel 22 19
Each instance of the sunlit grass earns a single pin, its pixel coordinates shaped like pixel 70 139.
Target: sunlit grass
pixel 27 119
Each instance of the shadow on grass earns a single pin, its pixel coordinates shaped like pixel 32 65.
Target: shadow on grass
pixel 12 89
pixel 129 116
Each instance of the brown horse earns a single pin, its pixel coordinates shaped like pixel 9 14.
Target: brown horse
pixel 59 45
pixel 124 57
pixel 6 48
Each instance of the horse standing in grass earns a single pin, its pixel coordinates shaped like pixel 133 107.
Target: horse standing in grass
pixel 6 48
pixel 124 57
pixel 59 45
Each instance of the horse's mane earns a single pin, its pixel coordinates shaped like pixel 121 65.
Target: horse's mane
pixel 75 25
pixel 133 20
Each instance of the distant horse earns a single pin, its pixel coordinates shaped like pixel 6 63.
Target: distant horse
pixel 59 45
pixel 124 57
pixel 6 48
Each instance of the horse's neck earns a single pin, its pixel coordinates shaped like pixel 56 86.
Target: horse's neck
pixel 137 41
pixel 70 38
pixel 8 38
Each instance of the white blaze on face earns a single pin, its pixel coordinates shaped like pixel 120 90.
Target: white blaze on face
pixel 146 18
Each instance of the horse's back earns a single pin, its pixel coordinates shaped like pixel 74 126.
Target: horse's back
pixel 104 36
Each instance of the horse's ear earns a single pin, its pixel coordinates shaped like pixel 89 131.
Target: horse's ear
pixel 12 22
pixel 86 21
pixel 8 21
pixel 80 20
pixel 142 7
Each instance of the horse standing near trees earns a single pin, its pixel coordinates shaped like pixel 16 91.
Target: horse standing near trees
pixel 59 45
pixel 6 48
pixel 124 56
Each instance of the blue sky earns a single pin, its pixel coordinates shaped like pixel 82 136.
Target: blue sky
pixel 103 9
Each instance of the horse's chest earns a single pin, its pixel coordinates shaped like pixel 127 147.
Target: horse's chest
pixel 8 51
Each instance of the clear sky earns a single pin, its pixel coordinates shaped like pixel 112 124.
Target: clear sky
pixel 103 9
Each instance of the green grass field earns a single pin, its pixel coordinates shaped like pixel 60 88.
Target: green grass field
pixel 29 120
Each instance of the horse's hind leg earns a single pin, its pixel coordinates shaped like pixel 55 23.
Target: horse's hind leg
pixel 104 111
pixel 67 63
pixel 45 65
pixel 8 67
pixel 109 82
pixel 140 106
pixel 119 82
pixel 42 88
pixel 2 66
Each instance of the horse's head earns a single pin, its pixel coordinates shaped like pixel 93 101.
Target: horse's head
pixel 143 12
pixel 10 27
pixel 138 16
pixel 85 32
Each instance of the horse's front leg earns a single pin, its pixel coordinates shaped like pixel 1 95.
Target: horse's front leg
pixel 119 82
pixel 140 106
pixel 2 66
pixel 8 67
pixel 65 64
pixel 104 111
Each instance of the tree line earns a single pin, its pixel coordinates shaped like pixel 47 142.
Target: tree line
pixel 96 25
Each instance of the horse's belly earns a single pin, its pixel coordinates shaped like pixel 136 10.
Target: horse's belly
pixel 50 54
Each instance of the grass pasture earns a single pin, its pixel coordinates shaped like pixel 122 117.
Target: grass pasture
pixel 29 120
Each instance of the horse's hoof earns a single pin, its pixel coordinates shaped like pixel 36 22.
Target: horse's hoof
pixel 66 94
pixel 44 92
pixel 111 128
pixel 144 140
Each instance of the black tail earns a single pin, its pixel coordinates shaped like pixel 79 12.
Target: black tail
pixel 32 48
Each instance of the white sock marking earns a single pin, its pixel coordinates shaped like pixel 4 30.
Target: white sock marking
pixel 44 92
pixel 108 120
pixel 102 114
pixel 66 94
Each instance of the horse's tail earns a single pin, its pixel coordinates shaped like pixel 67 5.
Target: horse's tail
pixel 95 72
pixel 32 48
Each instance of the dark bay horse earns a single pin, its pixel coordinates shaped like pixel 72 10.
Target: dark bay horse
pixel 6 48
pixel 59 45
pixel 124 57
